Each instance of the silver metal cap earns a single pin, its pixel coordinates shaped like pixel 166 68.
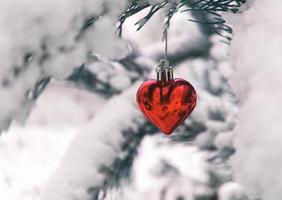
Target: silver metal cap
pixel 164 71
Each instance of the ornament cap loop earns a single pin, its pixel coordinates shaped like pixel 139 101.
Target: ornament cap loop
pixel 164 71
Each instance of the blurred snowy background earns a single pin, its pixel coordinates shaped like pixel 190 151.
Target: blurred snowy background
pixel 73 131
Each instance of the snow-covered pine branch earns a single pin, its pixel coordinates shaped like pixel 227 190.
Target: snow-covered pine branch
pixel 43 39
pixel 50 40
pixel 84 174
pixel 94 159
pixel 93 152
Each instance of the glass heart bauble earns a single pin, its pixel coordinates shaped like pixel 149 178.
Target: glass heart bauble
pixel 166 103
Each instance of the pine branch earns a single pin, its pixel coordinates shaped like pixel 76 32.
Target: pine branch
pixel 83 77
pixel 152 11
pixel 134 8
pixel 213 8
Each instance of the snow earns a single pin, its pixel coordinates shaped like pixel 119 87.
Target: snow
pixel 256 51
pixel 26 164
pixel 224 140
pixel 232 191
pixel 103 39
pixel 112 72
pixel 95 146
pixel 30 154
pixel 120 82
pixel 161 164
pixel 48 30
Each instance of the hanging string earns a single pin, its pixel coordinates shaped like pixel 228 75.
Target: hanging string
pixel 164 71
pixel 165 36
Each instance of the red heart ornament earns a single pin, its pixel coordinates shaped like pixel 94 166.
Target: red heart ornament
pixel 166 103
